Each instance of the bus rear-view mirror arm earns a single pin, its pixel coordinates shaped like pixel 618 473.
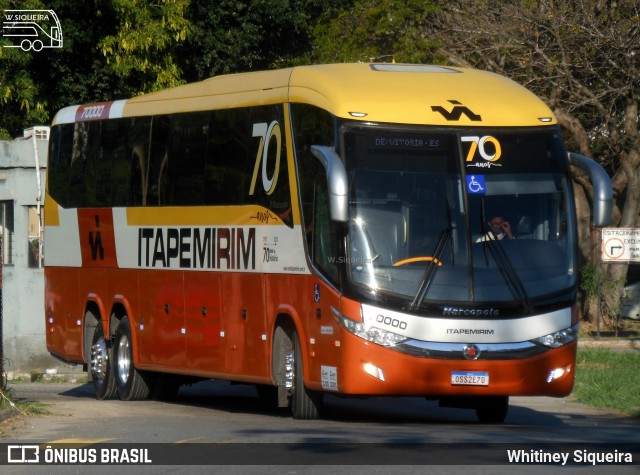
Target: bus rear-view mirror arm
pixel 602 190
pixel 336 180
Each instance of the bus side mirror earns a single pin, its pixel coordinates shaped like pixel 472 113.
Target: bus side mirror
pixel 602 190
pixel 337 181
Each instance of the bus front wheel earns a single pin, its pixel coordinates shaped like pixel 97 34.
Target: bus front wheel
pixel 305 404
pixel 132 385
pixel 289 376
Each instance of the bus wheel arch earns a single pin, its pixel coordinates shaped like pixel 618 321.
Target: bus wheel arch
pixel 92 318
pixel 288 372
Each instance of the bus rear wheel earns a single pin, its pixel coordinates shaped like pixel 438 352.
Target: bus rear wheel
pixel 101 368
pixel 131 384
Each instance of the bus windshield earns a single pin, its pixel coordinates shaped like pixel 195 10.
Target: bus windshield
pixel 464 217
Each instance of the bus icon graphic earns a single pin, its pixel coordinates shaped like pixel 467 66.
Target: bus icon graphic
pixel 32 29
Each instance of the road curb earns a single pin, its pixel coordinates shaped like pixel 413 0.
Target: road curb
pixel 614 344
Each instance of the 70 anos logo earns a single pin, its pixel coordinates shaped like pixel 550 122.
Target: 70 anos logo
pixel 487 147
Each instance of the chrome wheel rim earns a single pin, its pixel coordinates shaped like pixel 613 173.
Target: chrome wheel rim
pixel 124 359
pixel 99 360
pixel 289 370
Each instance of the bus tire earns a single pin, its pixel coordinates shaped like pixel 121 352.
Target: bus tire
pixel 492 410
pixel 131 384
pixel 101 366
pixel 305 404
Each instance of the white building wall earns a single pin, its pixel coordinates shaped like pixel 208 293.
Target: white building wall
pixel 24 346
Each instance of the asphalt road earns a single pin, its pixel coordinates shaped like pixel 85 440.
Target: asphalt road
pixel 379 435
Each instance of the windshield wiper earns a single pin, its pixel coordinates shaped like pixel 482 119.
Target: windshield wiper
pixel 510 275
pixel 431 269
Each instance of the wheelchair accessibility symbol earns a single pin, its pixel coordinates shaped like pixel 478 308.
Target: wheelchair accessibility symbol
pixel 476 185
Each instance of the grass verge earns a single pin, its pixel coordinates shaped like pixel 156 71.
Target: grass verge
pixel 7 401
pixel 608 379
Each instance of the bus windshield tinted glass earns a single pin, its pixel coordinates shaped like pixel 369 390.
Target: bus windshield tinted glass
pixel 457 217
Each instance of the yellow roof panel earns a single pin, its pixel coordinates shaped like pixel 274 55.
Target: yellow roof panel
pixel 394 93
pixel 418 95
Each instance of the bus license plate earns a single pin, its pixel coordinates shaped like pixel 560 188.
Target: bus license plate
pixel 470 378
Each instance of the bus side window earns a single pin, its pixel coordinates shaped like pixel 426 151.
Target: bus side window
pixel 82 169
pixel 226 162
pixel 187 152
pixel 325 235
pixel 113 165
pixel 61 145
pixel 311 126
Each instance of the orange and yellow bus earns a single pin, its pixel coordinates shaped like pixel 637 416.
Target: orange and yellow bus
pixel 352 229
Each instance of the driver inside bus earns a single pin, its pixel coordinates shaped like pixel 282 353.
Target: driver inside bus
pixel 499 228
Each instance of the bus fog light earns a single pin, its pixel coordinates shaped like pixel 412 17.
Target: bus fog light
pixel 373 371
pixel 558 373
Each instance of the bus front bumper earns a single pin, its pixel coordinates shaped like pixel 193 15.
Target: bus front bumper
pixel 370 369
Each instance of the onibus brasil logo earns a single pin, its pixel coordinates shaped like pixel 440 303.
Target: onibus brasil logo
pixel 32 29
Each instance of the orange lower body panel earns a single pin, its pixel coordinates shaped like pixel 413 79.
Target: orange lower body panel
pixel 398 374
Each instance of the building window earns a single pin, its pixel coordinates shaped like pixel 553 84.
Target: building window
pixel 6 231
pixel 35 238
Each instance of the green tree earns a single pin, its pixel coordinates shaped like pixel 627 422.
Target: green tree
pixel 143 48
pixel 34 85
pixel 115 49
pixel 377 30
pixel 21 100
pixel 230 36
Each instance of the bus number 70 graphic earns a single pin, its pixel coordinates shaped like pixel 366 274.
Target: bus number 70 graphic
pixel 35 29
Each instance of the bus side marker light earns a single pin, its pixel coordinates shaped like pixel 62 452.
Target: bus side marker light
pixel 51 320
pixel 221 334
pixel 558 373
pixel 79 323
pixel 338 344
pixel 373 371
pixel 264 337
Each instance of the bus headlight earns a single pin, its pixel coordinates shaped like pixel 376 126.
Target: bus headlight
pixel 559 338
pixel 370 333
